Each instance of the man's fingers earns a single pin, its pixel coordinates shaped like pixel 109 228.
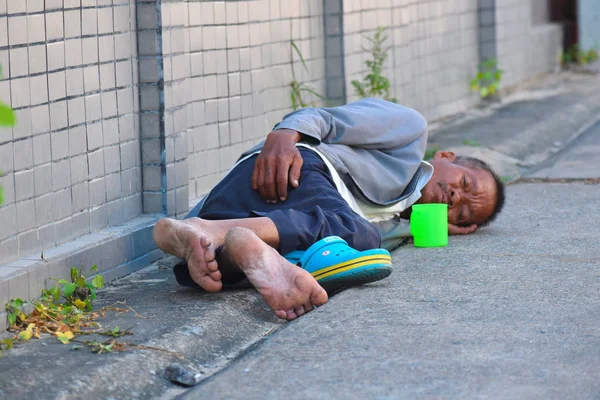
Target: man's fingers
pixel 254 178
pixel 282 180
pixel 461 230
pixel 260 179
pixel 270 174
pixel 295 169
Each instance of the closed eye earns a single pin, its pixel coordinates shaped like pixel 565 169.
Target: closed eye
pixel 462 216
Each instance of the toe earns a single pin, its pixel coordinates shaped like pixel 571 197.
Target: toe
pixel 308 307
pixel 212 266
pixel 215 275
pixel 209 255
pixel 210 285
pixel 299 311
pixel 281 314
pixel 206 242
pixel 319 296
pixel 290 315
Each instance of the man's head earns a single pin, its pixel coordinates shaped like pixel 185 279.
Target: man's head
pixel 473 192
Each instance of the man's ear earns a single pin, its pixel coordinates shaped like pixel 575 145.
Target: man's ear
pixel 450 156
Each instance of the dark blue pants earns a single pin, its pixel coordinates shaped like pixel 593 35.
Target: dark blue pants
pixel 312 211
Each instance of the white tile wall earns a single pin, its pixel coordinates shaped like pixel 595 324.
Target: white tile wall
pixel 238 49
pixel 71 72
pixel 54 58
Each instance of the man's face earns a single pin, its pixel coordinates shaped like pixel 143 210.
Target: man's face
pixel 469 192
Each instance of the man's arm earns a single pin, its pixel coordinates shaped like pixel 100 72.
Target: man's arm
pixel 370 124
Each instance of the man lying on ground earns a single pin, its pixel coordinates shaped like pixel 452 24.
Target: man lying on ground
pixel 352 171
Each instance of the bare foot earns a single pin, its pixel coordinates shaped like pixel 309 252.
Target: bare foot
pixel 193 240
pixel 289 290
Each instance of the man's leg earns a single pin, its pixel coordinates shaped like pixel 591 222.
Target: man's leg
pixel 312 211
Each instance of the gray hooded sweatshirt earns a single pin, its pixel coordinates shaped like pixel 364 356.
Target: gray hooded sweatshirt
pixel 376 147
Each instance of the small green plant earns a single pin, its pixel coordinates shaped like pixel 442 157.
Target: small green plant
pixel 6 344
pixel 469 142
pixel 575 55
pixel 7 119
pixel 299 89
pixel 487 80
pixel 63 310
pixel 374 84
pixel 430 152
pixel 7 115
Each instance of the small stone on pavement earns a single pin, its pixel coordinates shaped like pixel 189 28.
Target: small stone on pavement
pixel 179 374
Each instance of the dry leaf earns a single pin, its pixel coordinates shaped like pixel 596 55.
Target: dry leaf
pixel 79 304
pixel 65 337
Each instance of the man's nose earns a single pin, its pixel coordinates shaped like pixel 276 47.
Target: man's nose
pixel 453 198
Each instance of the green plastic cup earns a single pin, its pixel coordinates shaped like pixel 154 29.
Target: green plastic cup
pixel 429 225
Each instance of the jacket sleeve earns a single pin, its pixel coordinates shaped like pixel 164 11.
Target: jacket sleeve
pixel 371 124
pixel 393 232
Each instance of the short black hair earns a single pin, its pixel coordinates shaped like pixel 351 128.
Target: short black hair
pixel 477 163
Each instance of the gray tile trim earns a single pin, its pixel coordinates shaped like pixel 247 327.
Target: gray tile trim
pixel 487 30
pixel 333 27
pixel 153 54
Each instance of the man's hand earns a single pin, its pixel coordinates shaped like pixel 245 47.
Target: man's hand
pixel 461 230
pixel 278 164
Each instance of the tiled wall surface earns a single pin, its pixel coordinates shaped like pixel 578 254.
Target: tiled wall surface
pixel 435 46
pixel 72 163
pixel 526 47
pixel 240 64
pixel 139 107
pixel 433 54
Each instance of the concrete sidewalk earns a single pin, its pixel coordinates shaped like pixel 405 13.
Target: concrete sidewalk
pixel 528 127
pixel 208 330
pixel 511 312
pixel 579 160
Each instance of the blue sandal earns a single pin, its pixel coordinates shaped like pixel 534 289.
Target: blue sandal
pixel 336 266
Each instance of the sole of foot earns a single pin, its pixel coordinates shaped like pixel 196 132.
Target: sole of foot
pixel 289 290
